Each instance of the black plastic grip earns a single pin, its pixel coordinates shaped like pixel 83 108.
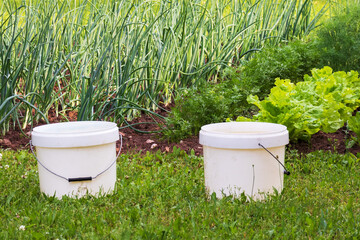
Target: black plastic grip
pixel 79 179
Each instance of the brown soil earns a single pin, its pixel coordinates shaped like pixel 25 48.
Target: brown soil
pixel 135 141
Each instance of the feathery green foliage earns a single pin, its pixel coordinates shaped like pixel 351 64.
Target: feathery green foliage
pixel 338 40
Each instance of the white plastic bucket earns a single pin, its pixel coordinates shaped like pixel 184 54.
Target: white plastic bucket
pixel 76 158
pixel 239 158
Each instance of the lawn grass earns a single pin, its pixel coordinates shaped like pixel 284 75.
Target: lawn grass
pixel 162 196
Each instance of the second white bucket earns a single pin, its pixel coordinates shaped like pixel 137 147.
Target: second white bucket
pixel 76 158
pixel 244 158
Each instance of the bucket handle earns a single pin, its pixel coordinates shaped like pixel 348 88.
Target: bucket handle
pixel 77 179
pixel 277 159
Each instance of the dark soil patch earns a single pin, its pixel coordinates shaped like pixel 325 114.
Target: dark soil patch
pixel 135 141
pixel 334 142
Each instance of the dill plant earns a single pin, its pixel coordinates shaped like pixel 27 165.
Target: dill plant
pixel 338 40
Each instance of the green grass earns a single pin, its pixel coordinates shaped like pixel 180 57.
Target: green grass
pixel 162 196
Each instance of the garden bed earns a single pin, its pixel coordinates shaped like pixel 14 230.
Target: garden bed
pixel 134 141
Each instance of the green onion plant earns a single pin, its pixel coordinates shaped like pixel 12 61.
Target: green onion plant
pixel 109 60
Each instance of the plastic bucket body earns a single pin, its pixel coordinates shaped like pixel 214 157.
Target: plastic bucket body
pixel 236 163
pixel 76 158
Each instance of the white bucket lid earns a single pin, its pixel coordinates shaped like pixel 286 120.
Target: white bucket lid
pixel 75 134
pixel 243 135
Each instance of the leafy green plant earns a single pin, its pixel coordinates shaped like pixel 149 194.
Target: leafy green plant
pixel 257 76
pixel 338 40
pixel 354 125
pixel 323 101
pixel 227 99
pixel 209 103
pixel 195 108
pixel 291 60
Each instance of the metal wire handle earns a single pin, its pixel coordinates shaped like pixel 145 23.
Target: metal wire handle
pixel 277 159
pixel 78 178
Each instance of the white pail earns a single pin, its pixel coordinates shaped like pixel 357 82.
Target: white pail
pixel 239 157
pixel 76 158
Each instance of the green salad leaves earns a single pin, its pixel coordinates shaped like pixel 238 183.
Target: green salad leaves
pixel 323 101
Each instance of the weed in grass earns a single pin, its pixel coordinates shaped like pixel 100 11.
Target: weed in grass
pixel 354 125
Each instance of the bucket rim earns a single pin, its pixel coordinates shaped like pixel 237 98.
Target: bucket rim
pixel 243 135
pixel 74 127
pixel 75 134
pixel 214 128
